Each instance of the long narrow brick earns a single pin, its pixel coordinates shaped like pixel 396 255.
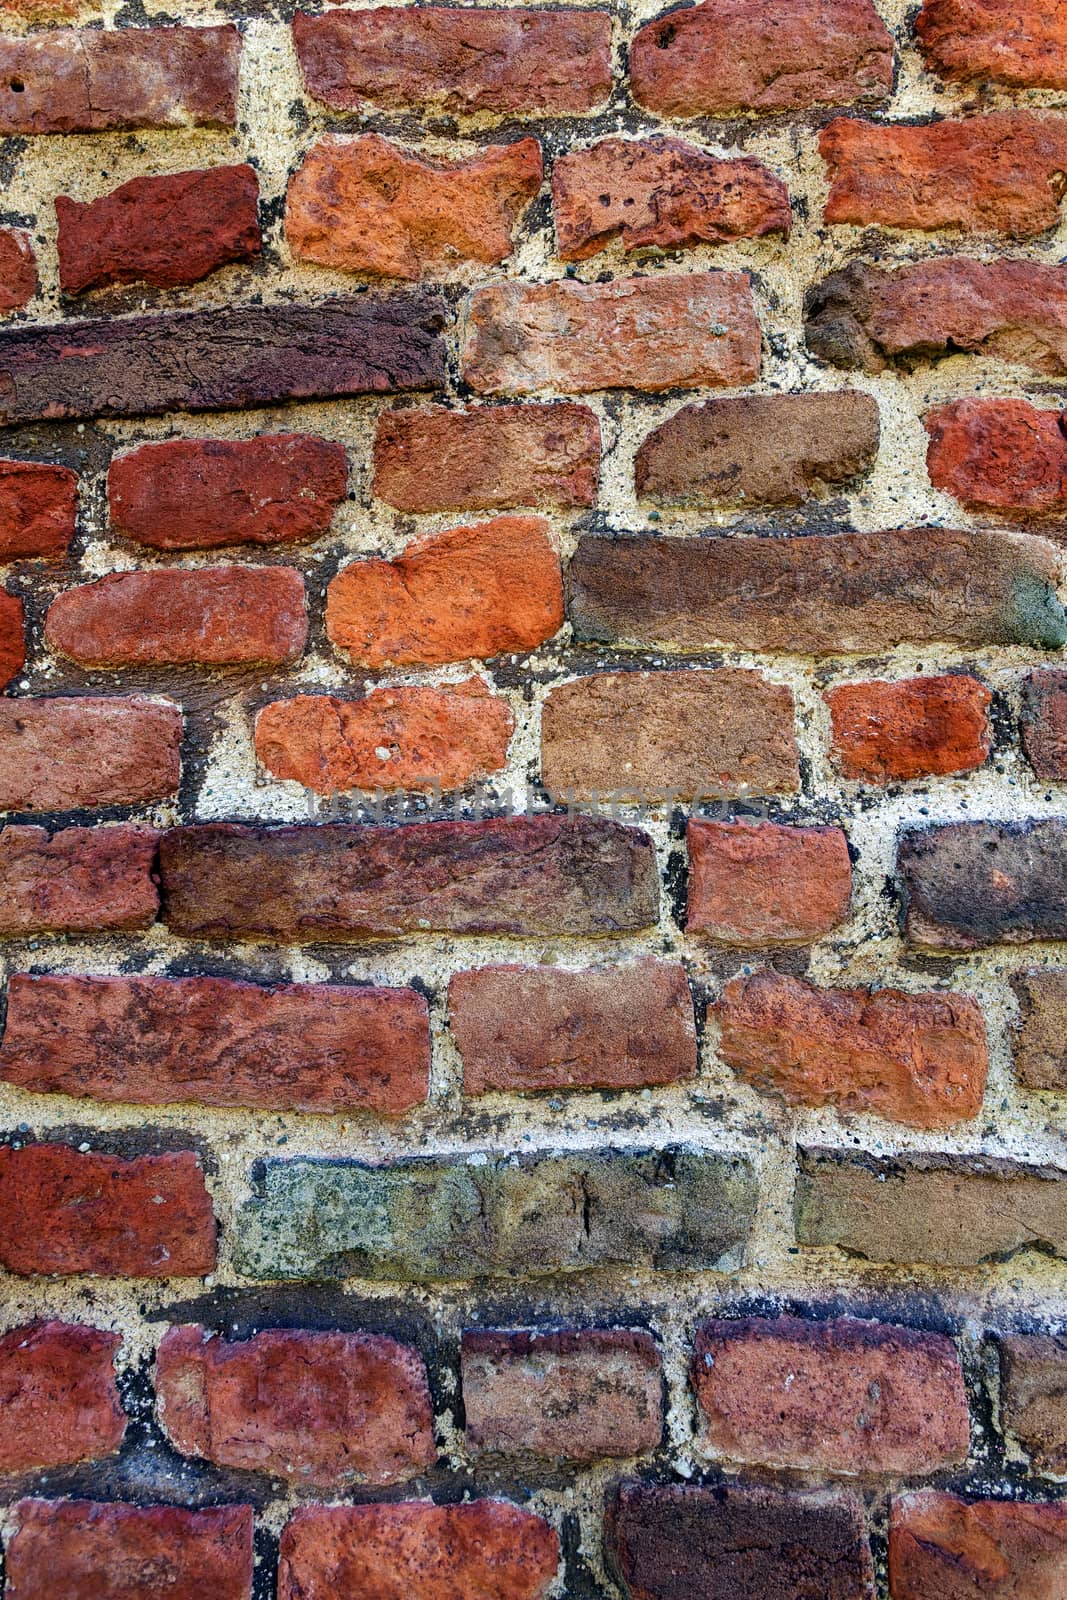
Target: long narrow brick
pixel 320 1409
pixel 945 1548
pixel 464 59
pixel 868 317
pixel 217 1041
pixel 824 594
pixel 215 360
pixel 101 80
pixel 1040 1040
pixel 696 330
pixel 839 1396
pixel 58 754
pixel 66 1211
pixel 1025 48
pixel 38 508
pixel 1033 1397
pixel 971 884
pixel 529 874
pixel 944 1211
pixel 433 1219
pixel 531 1028
pixel 78 880
pixel 61 1401
pixel 12 636
pixel 126 1552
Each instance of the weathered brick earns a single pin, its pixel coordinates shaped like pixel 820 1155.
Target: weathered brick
pixel 1025 47
pixel 70 1211
pixel 368 205
pixel 487 458
pixel 694 330
pixel 766 883
pixel 758 450
pixel 915 728
pixel 820 594
pixel 1040 1042
pixel 1003 172
pixel 1033 1397
pixel 165 231
pixel 999 455
pixel 214 616
pixel 78 880
pixel 125 1552
pixel 969 884
pixel 196 494
pixel 942 1548
pixel 683 734
pixel 38 507
pixel 99 80
pixel 61 1402
pixel 233 356
pixel 728 56
pixel 465 60
pixel 840 1396
pixel 402 738
pixel 661 192
pixel 577 1395
pixel 12 637
pixel 680 1542
pixel 413 1550
pixel 529 1028
pixel 469 593
pixel 481 1215
pixel 18 270
pixel 59 754
pixel 522 874
pixel 324 1409
pixel 1043 721
pixel 920 1059
pixel 215 1041
pixel 943 1211
pixel 868 318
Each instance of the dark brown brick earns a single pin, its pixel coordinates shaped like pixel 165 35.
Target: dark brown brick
pixel 78 880
pixel 1040 1044
pixel 1033 1397
pixel 1043 722
pixel 970 884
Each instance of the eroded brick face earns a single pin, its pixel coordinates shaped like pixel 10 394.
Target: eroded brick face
pixel 943 1546
pixel 38 507
pixel 766 884
pixel 61 1401
pixel 920 728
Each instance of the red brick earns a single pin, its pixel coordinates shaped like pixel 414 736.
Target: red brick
pixel 67 1211
pixel 784 55
pixel 66 1548
pixel 38 507
pixel 367 205
pixel 661 192
pixel 78 880
pixel 472 592
pixel 12 638
pixel 58 754
pixel 18 270
pixel 464 60
pixel 696 330
pixel 571 1396
pixel 1004 456
pixel 196 494
pixel 1044 723
pixel 95 80
pixel 60 1400
pixel 325 1409
pixel 417 1551
pixel 488 458
pixel 529 1028
pixel 941 1548
pixel 917 728
pixel 764 883
pixel 1024 47
pixel 165 231
pixel 841 1396
pixel 214 616
pixel 919 1059
pixel 1002 173
pixel 402 738
pixel 217 1041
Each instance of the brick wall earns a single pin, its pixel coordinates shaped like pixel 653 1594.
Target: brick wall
pixel 533 743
